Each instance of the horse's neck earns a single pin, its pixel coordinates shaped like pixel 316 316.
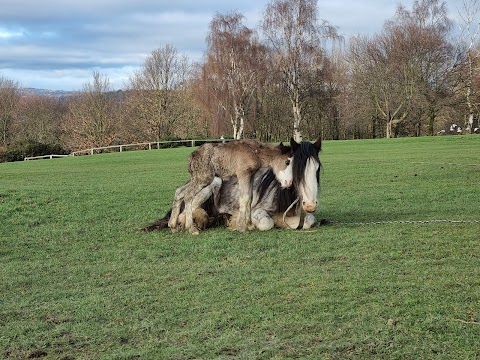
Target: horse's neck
pixel 266 154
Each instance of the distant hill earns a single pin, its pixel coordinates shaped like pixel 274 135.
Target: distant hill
pixel 45 92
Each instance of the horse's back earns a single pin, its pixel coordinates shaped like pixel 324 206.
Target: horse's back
pixel 235 158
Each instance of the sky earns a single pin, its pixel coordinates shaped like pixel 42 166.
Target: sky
pixel 58 44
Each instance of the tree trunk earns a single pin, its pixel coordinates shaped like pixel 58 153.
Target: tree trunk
pixel 469 124
pixel 238 122
pixel 374 127
pixel 431 122
pixel 468 95
pixel 389 128
pixel 297 117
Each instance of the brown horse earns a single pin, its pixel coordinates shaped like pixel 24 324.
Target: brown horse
pixel 240 158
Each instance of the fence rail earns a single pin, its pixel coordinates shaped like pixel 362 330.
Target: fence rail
pixel 136 146
pixel 147 146
pixel 45 157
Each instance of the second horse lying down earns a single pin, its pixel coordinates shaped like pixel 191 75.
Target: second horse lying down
pixel 272 204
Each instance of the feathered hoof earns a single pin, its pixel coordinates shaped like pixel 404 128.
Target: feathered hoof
pixel 193 230
pixel 172 225
pixel 265 224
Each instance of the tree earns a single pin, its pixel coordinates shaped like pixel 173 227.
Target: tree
pixel 385 83
pixel 157 101
pixel 91 117
pixel 296 37
pixel 429 56
pixel 235 58
pixel 358 100
pixel 38 119
pixel 406 68
pixel 9 98
pixel 470 31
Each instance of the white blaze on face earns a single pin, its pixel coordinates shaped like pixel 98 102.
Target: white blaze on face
pixel 309 188
pixel 285 177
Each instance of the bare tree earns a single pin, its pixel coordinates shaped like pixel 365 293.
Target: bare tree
pixel 156 92
pixel 91 116
pixel 38 119
pixel 295 34
pixel 9 98
pixel 402 74
pixel 429 56
pixel 383 77
pixel 470 31
pixel 358 100
pixel 234 60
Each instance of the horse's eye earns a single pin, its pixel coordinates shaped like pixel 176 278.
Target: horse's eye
pixel 287 162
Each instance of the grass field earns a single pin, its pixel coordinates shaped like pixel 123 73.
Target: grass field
pixel 79 281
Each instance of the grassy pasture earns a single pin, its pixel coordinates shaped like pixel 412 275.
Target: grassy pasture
pixel 79 281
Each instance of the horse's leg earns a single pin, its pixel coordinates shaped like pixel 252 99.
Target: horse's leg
pixel 205 193
pixel 201 169
pixel 197 185
pixel 177 203
pixel 309 221
pixel 245 201
pixel 195 204
pixel 262 220
pixel 189 212
pixel 248 210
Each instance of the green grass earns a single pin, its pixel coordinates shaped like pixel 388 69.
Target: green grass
pixel 79 281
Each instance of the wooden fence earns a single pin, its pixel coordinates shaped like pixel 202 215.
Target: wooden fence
pixel 45 157
pixel 130 147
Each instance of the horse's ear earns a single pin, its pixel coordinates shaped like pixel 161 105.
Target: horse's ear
pixel 318 144
pixel 284 149
pixel 294 144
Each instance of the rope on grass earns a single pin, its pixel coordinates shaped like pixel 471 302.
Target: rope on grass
pixel 396 222
pixel 467 322
pixel 442 163
pixel 286 211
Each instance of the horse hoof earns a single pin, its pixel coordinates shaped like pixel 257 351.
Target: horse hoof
pixel 193 231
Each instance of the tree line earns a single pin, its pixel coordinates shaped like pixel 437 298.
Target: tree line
pixel 293 74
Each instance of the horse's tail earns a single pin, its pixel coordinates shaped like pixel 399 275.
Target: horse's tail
pixel 159 224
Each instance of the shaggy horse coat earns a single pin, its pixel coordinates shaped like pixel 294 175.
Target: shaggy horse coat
pixel 270 201
pixel 218 205
pixel 241 159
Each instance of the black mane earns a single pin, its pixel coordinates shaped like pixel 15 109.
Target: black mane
pixel 305 151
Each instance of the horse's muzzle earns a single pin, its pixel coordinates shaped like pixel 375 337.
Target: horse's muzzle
pixel 287 183
pixel 310 207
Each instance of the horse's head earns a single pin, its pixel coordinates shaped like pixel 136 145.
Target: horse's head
pixel 282 166
pixel 306 172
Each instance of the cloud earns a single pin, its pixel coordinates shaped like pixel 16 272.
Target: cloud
pixel 82 36
pixel 60 43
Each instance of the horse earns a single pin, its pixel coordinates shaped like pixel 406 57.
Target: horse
pixel 241 159
pixel 272 204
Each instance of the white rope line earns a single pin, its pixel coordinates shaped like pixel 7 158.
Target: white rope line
pixel 286 211
pixel 396 222
pixel 442 163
